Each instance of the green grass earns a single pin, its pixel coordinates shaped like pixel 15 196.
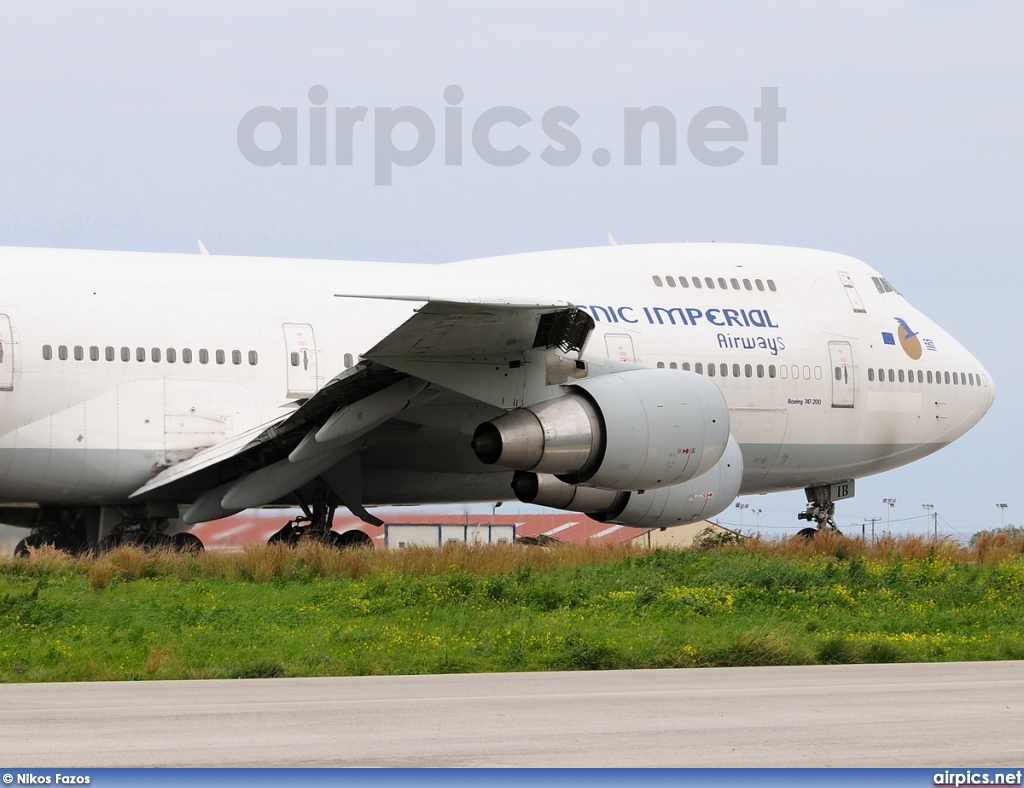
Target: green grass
pixel 268 612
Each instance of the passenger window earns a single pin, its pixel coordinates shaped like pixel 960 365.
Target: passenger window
pixel 956 379
pixel 892 376
pixel 126 354
pixel 661 365
pixel 657 281
pixel 736 370
pixel 746 285
pixel 723 370
pixel 817 373
pixel 108 353
pixel 186 355
pixel 47 352
pixel 784 372
pixel 711 370
pixel 140 354
pixel 899 374
pixel 946 376
pixel 735 284
pixel 698 368
pixel 696 282
pixel 759 284
pixel 807 372
pixel 204 356
pixel 348 359
pixel 236 356
pixel 970 378
pixel 79 353
pixel 748 371
pixel 253 358
pixel 929 376
pixel 871 374
pixel 839 373
pixel 670 281
pixel 881 376
pixel 172 355
pixel 154 354
pixel 294 359
pixel 920 376
pixel 672 365
pixel 771 370
pixel 796 372
pixel 686 365
pixel 760 370
pixel 709 282
pixel 771 285
pixel 62 352
pixel 683 282
pixel 219 355
pixel 722 283
pixel 94 353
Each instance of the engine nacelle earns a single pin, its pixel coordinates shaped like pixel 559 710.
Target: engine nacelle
pixel 705 496
pixel 543 489
pixel 641 429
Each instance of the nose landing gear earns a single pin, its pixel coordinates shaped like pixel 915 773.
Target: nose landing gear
pixel 820 510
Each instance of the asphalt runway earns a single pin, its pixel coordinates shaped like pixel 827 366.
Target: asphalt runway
pixel 949 715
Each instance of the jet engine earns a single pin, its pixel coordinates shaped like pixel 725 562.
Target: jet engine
pixel 698 498
pixel 641 429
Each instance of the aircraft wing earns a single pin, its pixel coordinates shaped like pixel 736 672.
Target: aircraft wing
pixel 479 349
pixel 274 440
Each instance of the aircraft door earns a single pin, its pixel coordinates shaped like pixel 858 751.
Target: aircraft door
pixel 6 354
pixel 841 355
pixel 851 292
pixel 300 348
pixel 620 347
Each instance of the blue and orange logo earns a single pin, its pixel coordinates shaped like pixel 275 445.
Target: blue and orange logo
pixel 908 339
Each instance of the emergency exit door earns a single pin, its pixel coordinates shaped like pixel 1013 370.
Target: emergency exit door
pixel 300 350
pixel 841 355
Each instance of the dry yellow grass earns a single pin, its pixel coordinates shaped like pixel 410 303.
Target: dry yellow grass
pixel 261 563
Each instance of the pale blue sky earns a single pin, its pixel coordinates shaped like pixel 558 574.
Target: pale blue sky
pixel 902 147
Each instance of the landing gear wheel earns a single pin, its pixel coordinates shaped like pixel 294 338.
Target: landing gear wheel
pixel 185 542
pixel 59 541
pixel 807 533
pixel 350 540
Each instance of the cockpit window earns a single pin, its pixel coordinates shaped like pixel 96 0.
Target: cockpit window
pixel 882 285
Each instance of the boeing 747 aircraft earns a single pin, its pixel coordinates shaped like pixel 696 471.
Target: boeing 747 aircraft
pixel 644 385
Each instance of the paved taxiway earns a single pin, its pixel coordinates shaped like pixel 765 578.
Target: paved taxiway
pixel 958 714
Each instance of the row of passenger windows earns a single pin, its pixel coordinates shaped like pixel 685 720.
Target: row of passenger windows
pixel 170 355
pixel 746 370
pixel 710 283
pixel 899 376
pixel 797 372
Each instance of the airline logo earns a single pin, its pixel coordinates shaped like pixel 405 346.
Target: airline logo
pixel 908 339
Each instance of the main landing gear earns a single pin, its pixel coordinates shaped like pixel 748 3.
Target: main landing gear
pixel 318 517
pixel 820 510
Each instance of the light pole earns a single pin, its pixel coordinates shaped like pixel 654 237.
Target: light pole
pixel 890 502
pixel 929 507
pixel 1002 515
pixel 757 514
pixel 741 507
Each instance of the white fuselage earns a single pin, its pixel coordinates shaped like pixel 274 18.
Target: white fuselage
pixel 117 365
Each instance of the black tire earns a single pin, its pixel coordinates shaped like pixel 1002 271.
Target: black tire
pixel 185 542
pixel 348 540
pixel 807 533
